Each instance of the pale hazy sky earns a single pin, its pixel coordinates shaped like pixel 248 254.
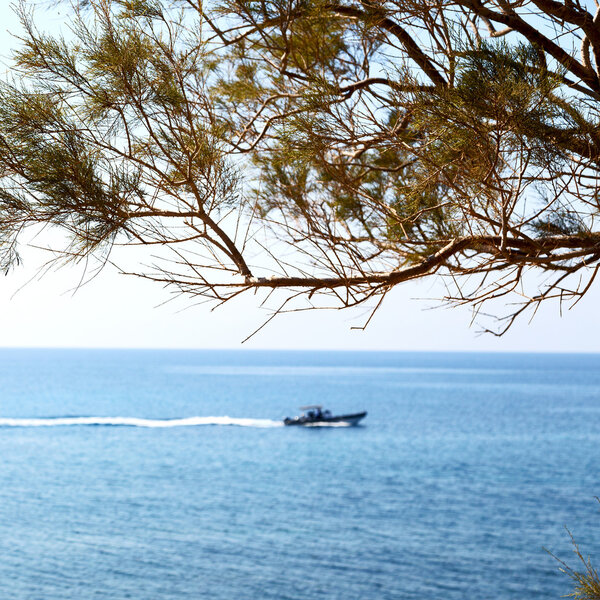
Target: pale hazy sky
pixel 120 311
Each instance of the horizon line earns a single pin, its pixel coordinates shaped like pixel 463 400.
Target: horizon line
pixel 294 350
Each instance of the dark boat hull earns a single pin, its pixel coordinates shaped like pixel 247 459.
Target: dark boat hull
pixel 347 419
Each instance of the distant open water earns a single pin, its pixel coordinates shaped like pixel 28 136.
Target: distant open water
pixel 169 475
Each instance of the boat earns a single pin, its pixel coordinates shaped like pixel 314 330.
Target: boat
pixel 315 415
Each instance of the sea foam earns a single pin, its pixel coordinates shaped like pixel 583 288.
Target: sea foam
pixel 136 422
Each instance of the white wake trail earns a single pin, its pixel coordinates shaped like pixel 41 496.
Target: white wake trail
pixel 137 422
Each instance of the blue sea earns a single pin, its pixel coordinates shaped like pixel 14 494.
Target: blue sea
pixel 167 475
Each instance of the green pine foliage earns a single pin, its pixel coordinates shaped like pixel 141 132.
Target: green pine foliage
pixel 340 148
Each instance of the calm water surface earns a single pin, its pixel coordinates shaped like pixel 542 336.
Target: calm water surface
pixel 467 466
